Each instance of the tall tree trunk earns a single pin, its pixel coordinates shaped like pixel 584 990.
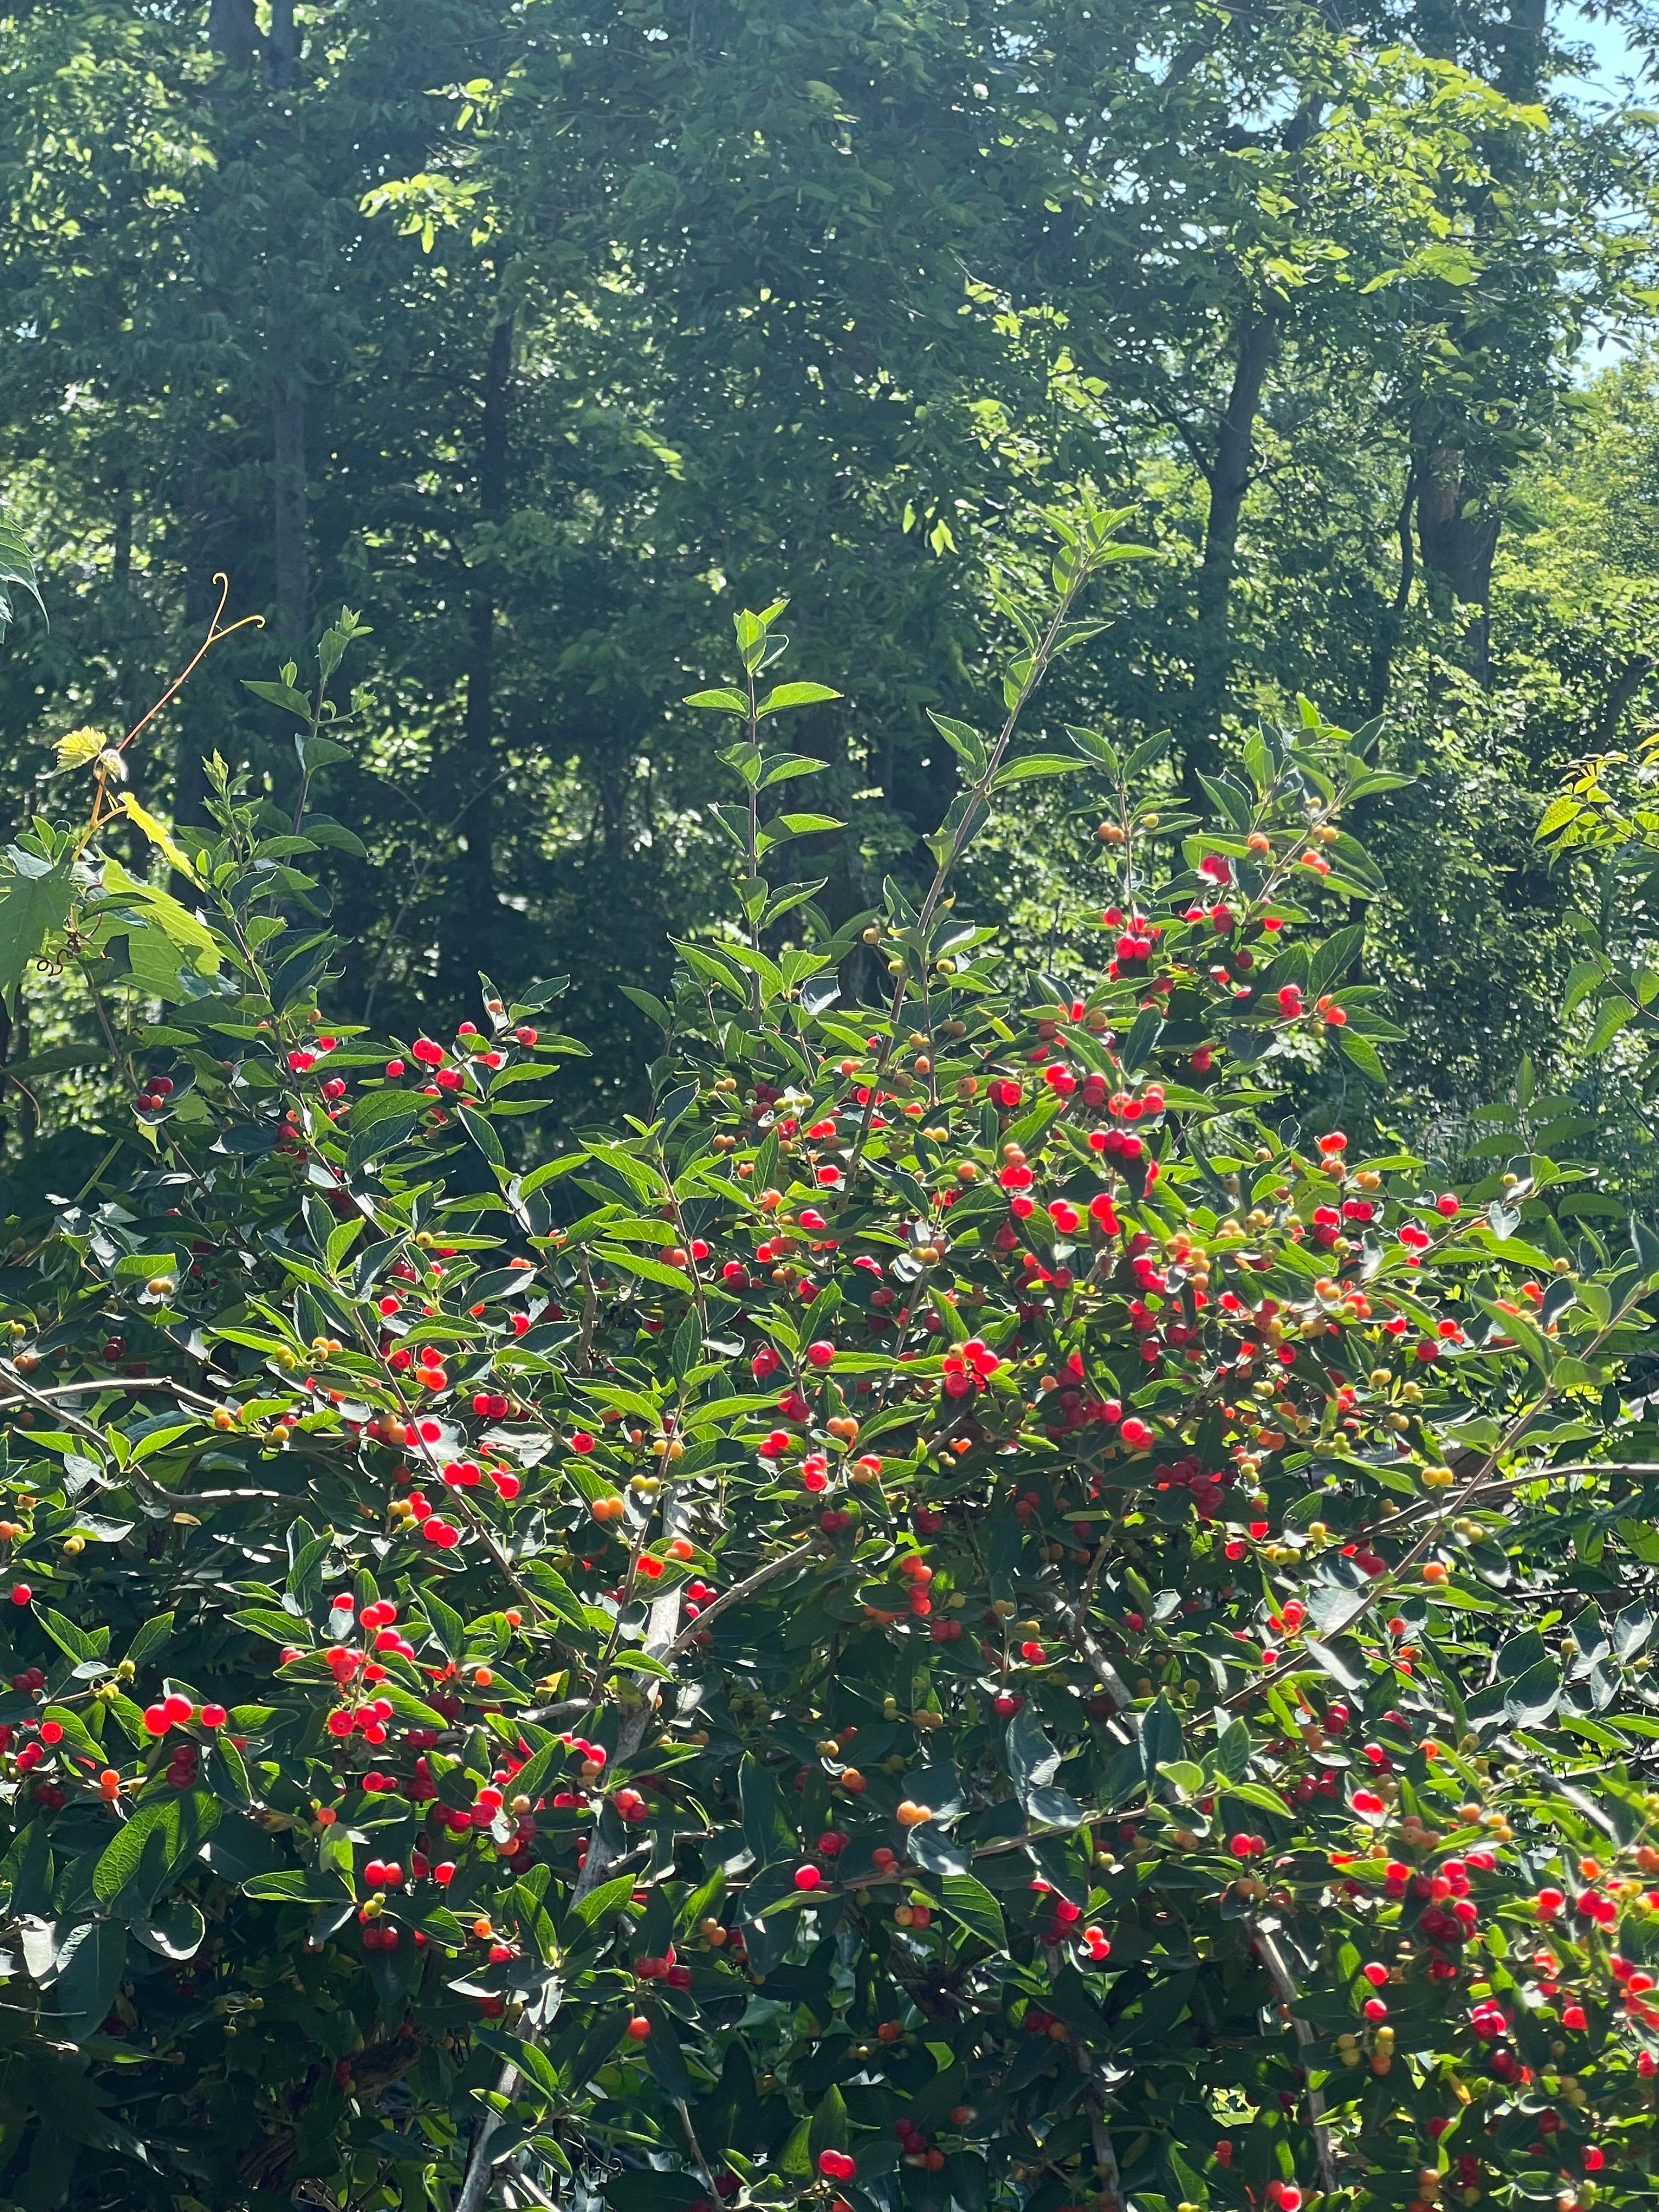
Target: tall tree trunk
pixel 463 773
pixel 233 32
pixel 121 549
pixel 1228 475
pixel 293 575
pixel 1386 642
pixel 495 456
pixel 1620 692
pixel 1230 483
pixel 1457 531
pixel 282 47
pixel 1458 519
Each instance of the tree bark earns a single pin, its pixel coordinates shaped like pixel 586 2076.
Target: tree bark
pixel 232 32
pixel 1620 692
pixel 1230 482
pixel 293 576
pixel 1457 531
pixel 1228 475
pixel 1457 522
pixel 282 47
pixel 1386 643
pixel 121 549
pixel 495 457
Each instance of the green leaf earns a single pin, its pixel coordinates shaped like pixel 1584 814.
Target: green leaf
pixel 1531 1699
pixel 87 1974
pixel 177 1931
pixel 767 1829
pixel 1585 977
pixel 1232 1751
pixel 159 835
pixel 1613 1017
pixel 964 740
pixel 829 2125
pixel 280 694
pixel 1160 1735
pixel 16 569
pixel 1095 748
pixel 652 1271
pixel 1362 1054
pixel 479 1127
pixel 603 1902
pixel 1030 765
pixel 786 766
pixel 150 1638
pixel 34 902
pixel 295 1885
pixel 155 1843
pixel 74 1732
pixel 1557 815
pixel 195 944
pixel 664 2057
pixel 651 1005
pixel 382 1136
pixel 967 1900
pixel 794 694
pixel 1259 762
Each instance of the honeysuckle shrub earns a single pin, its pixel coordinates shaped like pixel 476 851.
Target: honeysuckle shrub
pixel 962 1616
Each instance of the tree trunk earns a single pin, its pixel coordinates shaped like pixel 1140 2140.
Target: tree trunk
pixel 1457 520
pixel 1230 482
pixel 478 736
pixel 233 32
pixel 1386 643
pixel 121 550
pixel 293 578
pixel 1229 477
pixel 1620 692
pixel 282 47
pixel 1457 532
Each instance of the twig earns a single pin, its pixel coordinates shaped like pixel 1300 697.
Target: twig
pixel 26 1394
pixel 1100 2138
pixel 738 1591
pixel 1501 1484
pixel 1285 1989
pixel 116 1383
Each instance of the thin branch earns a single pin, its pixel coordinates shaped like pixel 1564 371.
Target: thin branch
pixel 1285 1989
pixel 738 1591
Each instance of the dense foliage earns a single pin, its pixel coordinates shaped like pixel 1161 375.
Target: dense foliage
pixel 962 1614
pixel 548 336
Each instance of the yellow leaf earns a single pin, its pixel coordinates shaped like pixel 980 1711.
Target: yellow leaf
pixel 79 749
pixel 162 838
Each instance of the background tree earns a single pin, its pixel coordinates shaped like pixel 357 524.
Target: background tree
pixel 555 317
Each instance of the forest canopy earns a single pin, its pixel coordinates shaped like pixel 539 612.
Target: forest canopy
pixel 545 336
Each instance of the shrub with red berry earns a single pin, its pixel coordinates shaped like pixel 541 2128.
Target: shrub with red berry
pixel 962 1614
